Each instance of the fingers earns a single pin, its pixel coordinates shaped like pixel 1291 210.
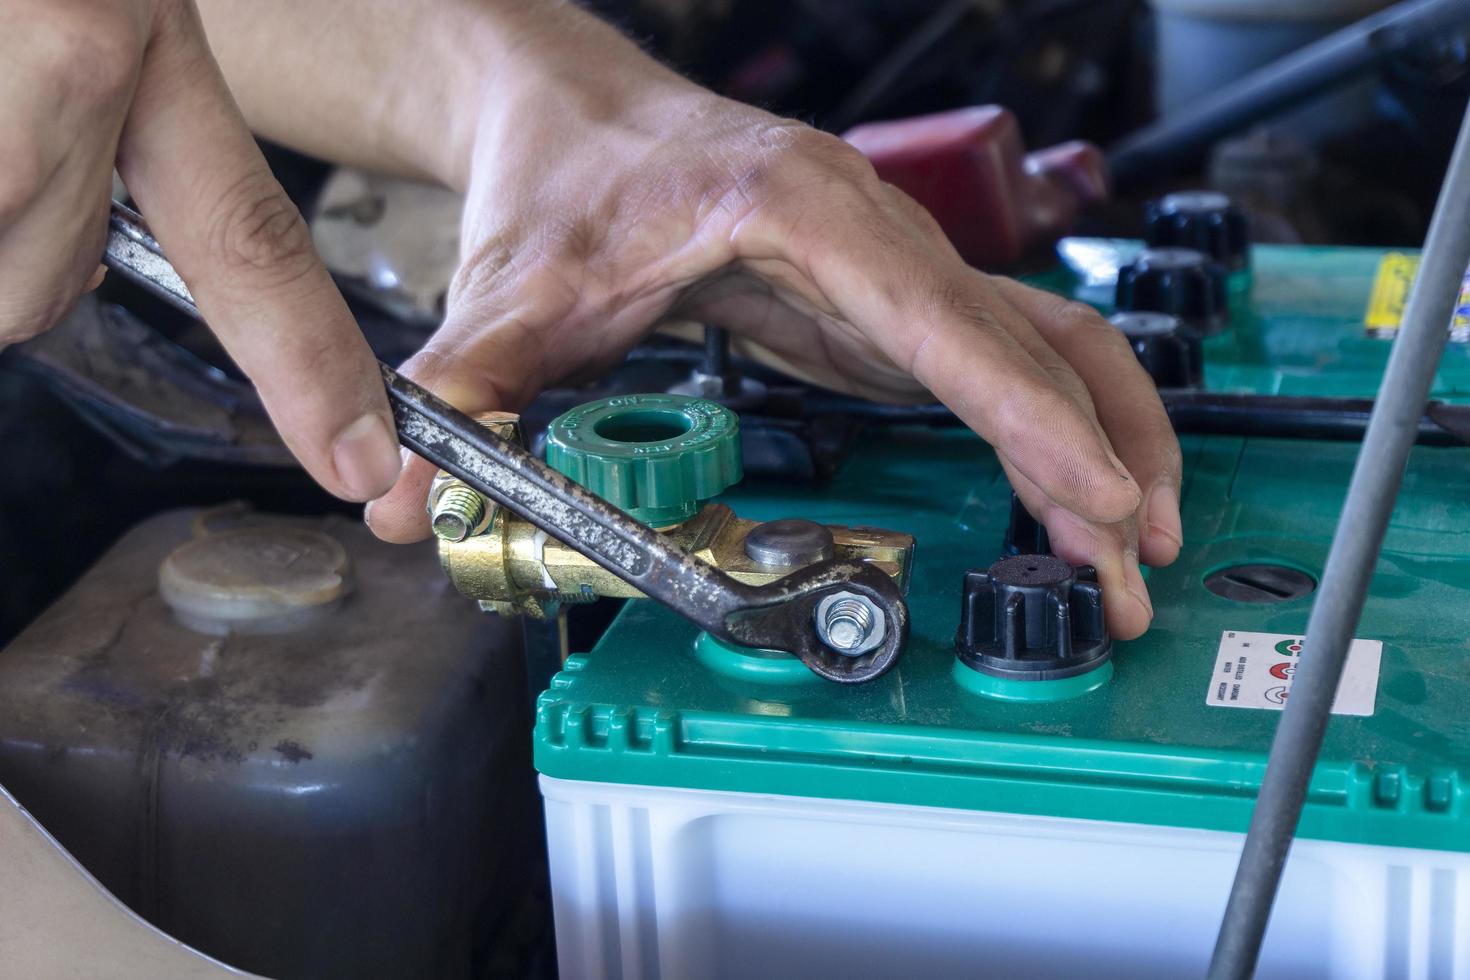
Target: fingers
pixel 245 251
pixel 1110 548
pixel 912 296
pixel 1055 392
pixel 1127 404
pixel 1134 421
pixel 399 516
pixel 70 72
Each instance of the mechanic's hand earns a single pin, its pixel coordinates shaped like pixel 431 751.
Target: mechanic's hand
pixel 87 83
pixel 594 214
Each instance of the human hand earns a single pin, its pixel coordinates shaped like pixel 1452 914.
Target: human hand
pixel 90 84
pixel 602 202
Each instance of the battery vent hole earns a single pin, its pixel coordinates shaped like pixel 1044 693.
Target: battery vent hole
pixel 1260 583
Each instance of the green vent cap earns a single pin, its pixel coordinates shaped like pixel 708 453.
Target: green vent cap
pixel 656 456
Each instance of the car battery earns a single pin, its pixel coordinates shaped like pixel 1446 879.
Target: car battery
pixel 717 814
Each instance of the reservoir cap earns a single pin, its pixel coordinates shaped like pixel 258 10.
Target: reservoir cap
pixel 270 577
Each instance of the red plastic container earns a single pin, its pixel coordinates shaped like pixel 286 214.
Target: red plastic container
pixel 969 168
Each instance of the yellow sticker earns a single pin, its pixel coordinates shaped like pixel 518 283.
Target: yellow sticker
pixel 1460 322
pixel 1391 284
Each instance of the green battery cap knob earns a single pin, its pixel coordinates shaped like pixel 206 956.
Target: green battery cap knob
pixel 656 456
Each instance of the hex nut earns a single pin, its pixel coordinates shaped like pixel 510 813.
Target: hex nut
pixel 839 617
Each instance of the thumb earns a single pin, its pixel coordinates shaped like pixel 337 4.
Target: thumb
pixel 476 368
pixel 246 254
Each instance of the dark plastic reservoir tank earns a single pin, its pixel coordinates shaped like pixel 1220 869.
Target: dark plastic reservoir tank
pixel 287 744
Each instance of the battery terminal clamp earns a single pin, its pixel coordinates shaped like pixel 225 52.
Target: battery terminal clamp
pixel 661 458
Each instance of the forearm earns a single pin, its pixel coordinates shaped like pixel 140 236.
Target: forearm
pixel 402 86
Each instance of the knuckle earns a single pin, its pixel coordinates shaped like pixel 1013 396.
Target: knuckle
pixel 257 228
pixel 1023 411
pixel 836 152
pixel 1078 318
pixel 1082 328
pixel 486 268
pixel 803 154
pixel 953 298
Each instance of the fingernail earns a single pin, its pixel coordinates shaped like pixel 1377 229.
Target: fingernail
pixel 366 457
pixel 1163 515
pixel 404 455
pixel 1133 580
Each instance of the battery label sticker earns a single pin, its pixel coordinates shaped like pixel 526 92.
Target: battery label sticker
pixel 1254 670
pixel 1391 285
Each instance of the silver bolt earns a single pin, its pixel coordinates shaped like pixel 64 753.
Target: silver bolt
pixel 850 623
pixel 457 512
pixel 789 543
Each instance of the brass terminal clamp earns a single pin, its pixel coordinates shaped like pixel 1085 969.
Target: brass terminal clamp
pixel 658 457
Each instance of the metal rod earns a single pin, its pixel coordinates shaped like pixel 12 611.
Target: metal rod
pixel 1298 76
pixel 716 351
pixel 716 362
pixel 1375 483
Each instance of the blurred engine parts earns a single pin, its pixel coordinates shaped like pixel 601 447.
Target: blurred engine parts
pixel 1064 66
pixel 395 240
pixel 150 396
pixel 1208 105
pixel 1205 45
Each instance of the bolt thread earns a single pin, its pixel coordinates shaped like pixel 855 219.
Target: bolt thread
pixel 856 615
pixel 851 609
pixel 574 598
pixel 457 512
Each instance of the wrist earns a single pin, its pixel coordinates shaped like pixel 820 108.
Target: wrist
pixel 557 69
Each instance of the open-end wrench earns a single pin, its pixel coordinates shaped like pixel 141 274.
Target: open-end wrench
pixel 781 615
